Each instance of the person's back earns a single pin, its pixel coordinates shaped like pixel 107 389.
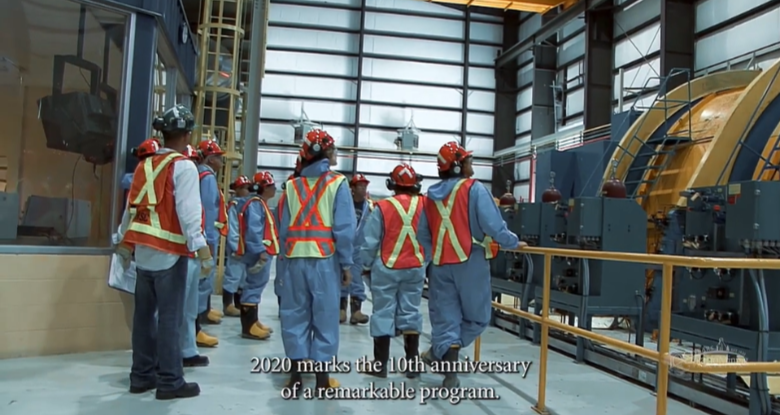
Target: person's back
pixel 465 226
pixel 316 233
pixel 394 252
pixel 164 225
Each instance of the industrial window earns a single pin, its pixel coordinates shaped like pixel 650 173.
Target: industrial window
pixel 61 79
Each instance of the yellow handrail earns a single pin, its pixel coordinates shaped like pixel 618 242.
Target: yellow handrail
pixel 662 356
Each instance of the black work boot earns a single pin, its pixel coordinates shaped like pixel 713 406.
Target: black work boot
pixel 412 355
pixel 378 367
pixel 343 310
pixel 227 304
pixel 250 329
pixel 296 380
pixel 451 375
pixel 237 299
pixel 208 316
pixel 325 382
pixel 357 316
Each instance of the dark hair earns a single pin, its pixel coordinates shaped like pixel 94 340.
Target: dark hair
pixel 316 159
pixel 449 174
pixel 406 190
pixel 174 135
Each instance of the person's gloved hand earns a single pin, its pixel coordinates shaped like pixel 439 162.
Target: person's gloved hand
pixel 125 253
pixel 254 269
pixel 206 261
pixel 346 277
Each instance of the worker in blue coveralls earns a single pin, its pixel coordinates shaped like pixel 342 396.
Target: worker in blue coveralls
pixel 215 218
pixel 395 256
pixel 258 244
pixel 235 272
pixel 355 293
pixel 316 234
pixel 190 328
pixel 466 230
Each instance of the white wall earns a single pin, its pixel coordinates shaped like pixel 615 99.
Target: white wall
pixel 413 66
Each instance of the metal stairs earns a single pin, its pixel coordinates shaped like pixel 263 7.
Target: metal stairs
pixel 655 154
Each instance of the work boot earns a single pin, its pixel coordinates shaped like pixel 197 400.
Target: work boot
pixel 209 318
pixel 195 361
pixel 250 329
pixel 429 358
pixel 214 314
pixel 296 379
pixel 202 339
pixel 357 316
pixel 237 299
pixel 227 304
pixel 324 382
pixel 451 375
pixel 378 367
pixel 343 312
pixel 412 351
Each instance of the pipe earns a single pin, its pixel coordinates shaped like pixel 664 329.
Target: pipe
pixel 251 122
pixel 621 88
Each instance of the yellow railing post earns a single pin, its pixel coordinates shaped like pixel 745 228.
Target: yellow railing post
pixel 664 335
pixel 477 348
pixel 541 407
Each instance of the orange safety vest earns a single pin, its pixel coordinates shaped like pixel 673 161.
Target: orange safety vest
pixel 279 205
pixel 222 216
pixel 311 204
pixel 399 248
pixel 270 231
pixel 152 206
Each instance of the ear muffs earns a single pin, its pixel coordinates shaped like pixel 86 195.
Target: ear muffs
pixel 134 152
pixel 232 186
pixel 390 184
pixel 254 187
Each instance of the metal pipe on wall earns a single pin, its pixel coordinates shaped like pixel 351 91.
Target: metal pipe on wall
pixel 250 136
pixel 621 88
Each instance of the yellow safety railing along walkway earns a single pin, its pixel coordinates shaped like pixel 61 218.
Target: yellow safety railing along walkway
pixel 661 356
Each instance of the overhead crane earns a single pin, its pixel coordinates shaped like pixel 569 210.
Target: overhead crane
pixel 530 6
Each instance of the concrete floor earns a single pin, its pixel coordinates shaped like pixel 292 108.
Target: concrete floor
pixel 97 383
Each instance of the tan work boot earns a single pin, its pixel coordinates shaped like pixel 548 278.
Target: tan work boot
pixel 204 340
pixel 357 316
pixel 228 308
pixel 214 316
pixel 250 328
pixel 343 311
pixel 264 327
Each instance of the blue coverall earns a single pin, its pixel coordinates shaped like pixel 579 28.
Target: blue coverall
pixel 396 293
pixel 254 220
pixel 189 346
pixel 311 286
pixel 235 274
pixel 209 196
pixel 356 288
pixel 459 295
pixel 280 263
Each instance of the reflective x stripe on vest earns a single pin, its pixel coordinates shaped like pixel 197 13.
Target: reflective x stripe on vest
pixel 491 247
pixel 270 233
pixel 310 234
pixel 400 256
pixel 447 228
pixel 154 228
pixel 222 217
pixel 242 224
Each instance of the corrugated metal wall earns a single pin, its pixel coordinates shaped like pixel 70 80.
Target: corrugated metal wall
pixel 416 63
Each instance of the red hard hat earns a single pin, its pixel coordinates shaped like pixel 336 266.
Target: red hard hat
pixel 190 153
pixel 241 181
pixel 264 179
pixel 315 143
pixel 451 155
pixel 209 148
pixel 404 175
pixel 147 148
pixel 358 178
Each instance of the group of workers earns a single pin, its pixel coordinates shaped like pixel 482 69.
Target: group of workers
pixel 326 237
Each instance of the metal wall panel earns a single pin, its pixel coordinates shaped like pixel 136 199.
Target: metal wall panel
pixel 382 165
pixel 524 98
pixel 523 139
pixel 572 50
pixel 741 39
pixel 523 170
pixel 637 46
pixel 416 63
pixel 522 191
pixel 713 12
pixel 645 75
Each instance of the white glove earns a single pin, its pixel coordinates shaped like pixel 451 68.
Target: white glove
pixel 206 262
pixel 125 253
